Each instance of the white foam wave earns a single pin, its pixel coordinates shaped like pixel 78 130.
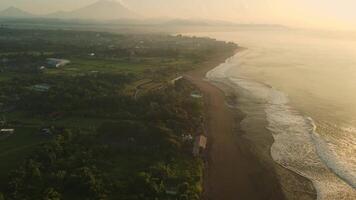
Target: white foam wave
pixel 339 153
pixel 297 146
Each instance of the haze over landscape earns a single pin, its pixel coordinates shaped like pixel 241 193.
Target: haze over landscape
pixel 299 13
pixel 178 99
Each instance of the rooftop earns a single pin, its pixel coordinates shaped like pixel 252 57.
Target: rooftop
pixel 201 141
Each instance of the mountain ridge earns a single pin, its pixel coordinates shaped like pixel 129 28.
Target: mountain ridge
pixel 14 12
pixel 99 10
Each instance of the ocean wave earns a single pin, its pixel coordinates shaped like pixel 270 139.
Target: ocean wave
pixel 297 145
pixel 329 151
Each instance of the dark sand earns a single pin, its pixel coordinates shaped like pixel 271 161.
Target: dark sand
pixel 234 171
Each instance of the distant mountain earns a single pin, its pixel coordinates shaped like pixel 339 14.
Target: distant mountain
pixel 111 12
pixel 198 22
pixel 13 12
pixel 101 10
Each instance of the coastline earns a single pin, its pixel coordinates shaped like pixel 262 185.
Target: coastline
pixel 238 168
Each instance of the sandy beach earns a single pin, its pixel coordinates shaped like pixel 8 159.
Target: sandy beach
pixel 234 168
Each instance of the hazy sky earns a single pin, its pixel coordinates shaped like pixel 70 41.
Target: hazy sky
pixel 310 13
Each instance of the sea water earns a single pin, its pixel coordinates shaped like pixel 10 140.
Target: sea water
pixel 304 84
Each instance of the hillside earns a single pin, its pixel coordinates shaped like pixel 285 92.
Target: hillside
pixel 101 10
pixel 13 12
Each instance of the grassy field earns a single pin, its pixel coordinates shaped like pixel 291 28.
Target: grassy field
pixel 80 66
pixel 15 148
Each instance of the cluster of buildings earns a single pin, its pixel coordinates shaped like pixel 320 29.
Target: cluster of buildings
pixel 200 141
pixel 199 148
pixel 199 144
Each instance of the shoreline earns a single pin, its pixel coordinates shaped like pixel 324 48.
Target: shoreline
pixel 234 168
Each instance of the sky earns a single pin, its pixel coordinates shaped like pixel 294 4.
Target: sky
pixel 332 14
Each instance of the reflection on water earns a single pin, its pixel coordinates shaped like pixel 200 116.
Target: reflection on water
pixel 308 82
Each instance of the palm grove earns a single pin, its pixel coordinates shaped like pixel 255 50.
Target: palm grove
pixel 113 122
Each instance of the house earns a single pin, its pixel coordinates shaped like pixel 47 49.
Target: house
pixel 46 131
pixel 172 187
pixel 187 137
pixel 55 62
pixel 196 95
pixel 173 82
pixel 7 131
pixel 173 191
pixel 200 145
pixel 41 87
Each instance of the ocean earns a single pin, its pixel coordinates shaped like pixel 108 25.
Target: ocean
pixel 303 83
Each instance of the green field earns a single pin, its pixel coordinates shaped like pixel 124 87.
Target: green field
pixel 79 66
pixel 15 148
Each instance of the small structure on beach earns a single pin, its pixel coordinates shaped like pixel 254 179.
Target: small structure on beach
pixel 55 62
pixel 200 145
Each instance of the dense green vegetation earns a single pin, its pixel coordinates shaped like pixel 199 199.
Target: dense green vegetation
pixel 109 125
pixel 132 158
